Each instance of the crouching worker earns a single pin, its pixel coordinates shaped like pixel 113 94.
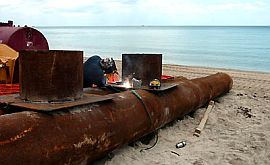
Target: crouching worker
pixel 95 69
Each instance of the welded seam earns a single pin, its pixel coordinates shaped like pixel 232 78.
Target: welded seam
pixel 17 137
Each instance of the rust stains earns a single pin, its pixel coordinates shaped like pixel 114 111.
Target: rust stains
pixel 86 141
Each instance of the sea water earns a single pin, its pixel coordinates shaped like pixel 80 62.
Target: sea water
pixel 245 48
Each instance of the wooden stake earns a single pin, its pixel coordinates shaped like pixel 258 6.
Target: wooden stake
pixel 204 119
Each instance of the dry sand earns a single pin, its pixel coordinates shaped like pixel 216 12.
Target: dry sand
pixel 237 131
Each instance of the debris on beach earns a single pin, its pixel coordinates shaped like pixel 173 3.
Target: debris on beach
pixel 245 111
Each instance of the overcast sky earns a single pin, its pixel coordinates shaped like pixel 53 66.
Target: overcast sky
pixel 135 12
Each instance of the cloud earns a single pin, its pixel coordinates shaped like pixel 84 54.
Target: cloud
pixel 237 6
pixel 130 12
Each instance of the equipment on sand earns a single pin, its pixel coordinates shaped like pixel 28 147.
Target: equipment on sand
pixel 199 129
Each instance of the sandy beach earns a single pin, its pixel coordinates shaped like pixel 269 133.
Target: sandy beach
pixel 237 131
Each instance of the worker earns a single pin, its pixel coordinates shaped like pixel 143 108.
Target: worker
pixel 94 70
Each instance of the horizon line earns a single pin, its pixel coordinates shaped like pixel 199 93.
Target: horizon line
pixel 150 26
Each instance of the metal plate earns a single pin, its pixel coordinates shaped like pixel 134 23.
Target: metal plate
pixel 163 87
pixel 51 75
pixel 14 100
pixel 118 87
pixel 145 67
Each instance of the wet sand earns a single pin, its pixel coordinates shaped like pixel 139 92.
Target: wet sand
pixel 237 131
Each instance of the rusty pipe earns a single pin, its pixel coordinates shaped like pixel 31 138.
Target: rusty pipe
pixel 82 134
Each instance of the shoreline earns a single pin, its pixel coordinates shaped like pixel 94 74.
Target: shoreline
pixel 119 62
pixel 236 132
pixel 201 69
pixel 221 69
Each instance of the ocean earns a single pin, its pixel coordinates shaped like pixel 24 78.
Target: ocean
pixel 232 47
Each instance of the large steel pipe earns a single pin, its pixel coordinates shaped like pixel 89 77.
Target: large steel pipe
pixel 82 134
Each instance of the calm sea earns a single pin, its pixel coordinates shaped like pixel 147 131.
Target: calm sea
pixel 245 48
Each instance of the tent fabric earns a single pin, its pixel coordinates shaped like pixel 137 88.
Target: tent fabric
pixel 8 57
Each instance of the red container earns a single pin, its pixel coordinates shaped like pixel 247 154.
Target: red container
pixel 23 38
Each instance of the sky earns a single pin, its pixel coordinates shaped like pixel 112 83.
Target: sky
pixel 136 12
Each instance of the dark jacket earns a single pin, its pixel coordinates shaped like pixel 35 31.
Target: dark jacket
pixel 93 72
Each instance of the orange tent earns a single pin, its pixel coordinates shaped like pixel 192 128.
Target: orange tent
pixel 8 57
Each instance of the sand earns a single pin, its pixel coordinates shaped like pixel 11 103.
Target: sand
pixel 237 131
